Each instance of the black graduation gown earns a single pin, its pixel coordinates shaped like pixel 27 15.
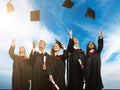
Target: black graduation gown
pixel 21 75
pixel 57 70
pixel 76 73
pixel 40 78
pixel 93 68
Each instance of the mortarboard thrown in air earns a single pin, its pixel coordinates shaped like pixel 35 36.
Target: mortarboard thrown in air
pixel 35 15
pixel 10 7
pixel 68 4
pixel 90 13
pixel 59 43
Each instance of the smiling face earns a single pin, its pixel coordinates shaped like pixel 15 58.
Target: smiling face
pixel 56 47
pixel 91 45
pixel 42 44
pixel 75 40
pixel 22 50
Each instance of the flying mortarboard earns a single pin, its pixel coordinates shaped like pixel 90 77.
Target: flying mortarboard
pixel 90 13
pixel 59 43
pixel 9 7
pixel 68 4
pixel 35 15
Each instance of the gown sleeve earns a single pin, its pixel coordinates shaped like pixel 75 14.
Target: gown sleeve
pixel 11 52
pixel 49 63
pixel 100 44
pixel 70 45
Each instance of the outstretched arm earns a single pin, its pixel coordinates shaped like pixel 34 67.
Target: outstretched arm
pixel 11 49
pixel 33 50
pixel 71 43
pixel 100 42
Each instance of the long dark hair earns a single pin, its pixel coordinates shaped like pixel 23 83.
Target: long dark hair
pixel 52 52
pixel 88 49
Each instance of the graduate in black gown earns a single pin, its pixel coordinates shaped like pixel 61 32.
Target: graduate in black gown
pixel 39 62
pixel 76 64
pixel 21 69
pixel 93 65
pixel 57 67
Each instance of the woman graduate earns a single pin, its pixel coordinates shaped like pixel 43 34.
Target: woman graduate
pixel 57 67
pixel 93 65
pixel 21 73
pixel 76 64
pixel 39 61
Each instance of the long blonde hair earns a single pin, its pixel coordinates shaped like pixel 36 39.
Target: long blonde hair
pixel 25 53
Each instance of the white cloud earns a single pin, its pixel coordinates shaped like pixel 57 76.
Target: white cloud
pixel 17 25
pixel 112 45
pixel 102 2
pixel 111 70
pixel 111 74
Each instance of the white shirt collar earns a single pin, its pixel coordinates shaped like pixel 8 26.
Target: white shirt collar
pixel 41 52
pixel 57 54
pixel 91 50
pixel 75 47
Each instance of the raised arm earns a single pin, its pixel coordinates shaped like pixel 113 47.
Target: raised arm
pixel 12 49
pixel 100 42
pixel 65 52
pixel 71 43
pixel 33 49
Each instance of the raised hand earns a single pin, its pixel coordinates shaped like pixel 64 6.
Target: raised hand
pixel 34 44
pixel 70 33
pixel 63 46
pixel 13 42
pixel 50 77
pixel 100 33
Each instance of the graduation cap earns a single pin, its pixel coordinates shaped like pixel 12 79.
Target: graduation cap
pixel 59 43
pixel 90 13
pixel 35 15
pixel 68 4
pixel 10 7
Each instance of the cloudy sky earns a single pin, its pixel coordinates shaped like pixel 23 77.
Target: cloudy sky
pixel 54 21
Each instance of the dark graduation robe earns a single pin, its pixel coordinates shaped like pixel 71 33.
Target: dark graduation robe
pixel 20 75
pixel 40 78
pixel 76 72
pixel 57 70
pixel 93 68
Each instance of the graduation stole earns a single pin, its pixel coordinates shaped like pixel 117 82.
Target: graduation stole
pixel 79 60
pixel 57 57
pixel 44 57
pixel 91 53
pixel 44 63
pixel 22 58
pixel 78 50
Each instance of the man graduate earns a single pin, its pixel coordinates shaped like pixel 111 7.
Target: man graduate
pixel 39 60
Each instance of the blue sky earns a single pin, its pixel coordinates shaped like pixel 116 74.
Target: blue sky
pixel 54 21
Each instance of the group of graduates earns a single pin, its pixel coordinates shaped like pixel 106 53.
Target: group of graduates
pixel 68 71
